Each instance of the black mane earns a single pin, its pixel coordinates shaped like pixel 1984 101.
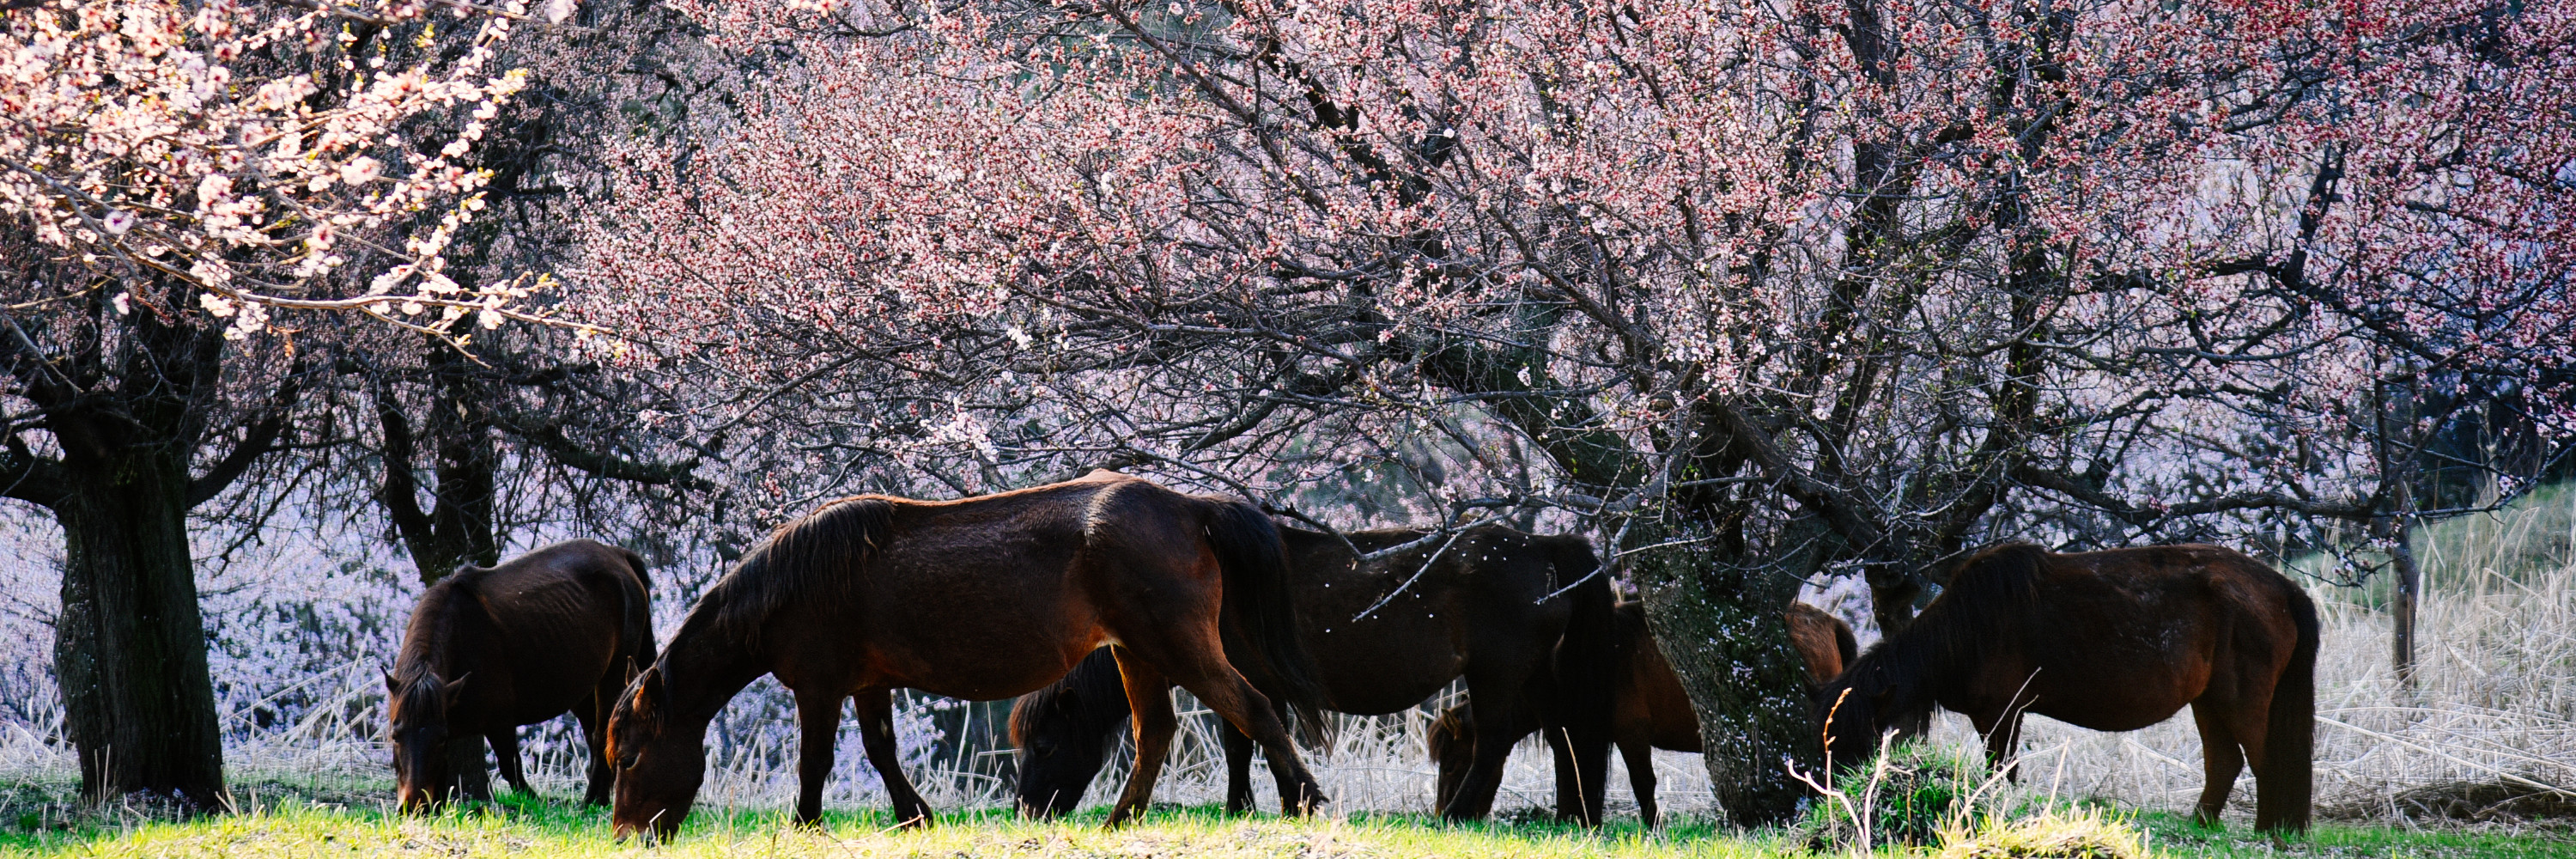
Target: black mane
pixel 815 557
pixel 1986 591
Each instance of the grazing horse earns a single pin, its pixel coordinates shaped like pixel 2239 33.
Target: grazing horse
pixel 490 649
pixel 1649 710
pixel 979 598
pixel 2114 640
pixel 1522 617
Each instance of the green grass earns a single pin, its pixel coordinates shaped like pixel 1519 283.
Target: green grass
pixel 521 826
pixel 2175 835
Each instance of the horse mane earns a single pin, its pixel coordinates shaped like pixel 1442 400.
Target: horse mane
pixel 430 638
pixel 1988 593
pixel 814 557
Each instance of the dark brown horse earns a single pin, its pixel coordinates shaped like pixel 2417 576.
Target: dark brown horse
pixel 489 650
pixel 1522 617
pixel 1649 709
pixel 980 598
pixel 2113 640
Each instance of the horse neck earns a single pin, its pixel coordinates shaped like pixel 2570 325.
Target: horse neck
pixel 701 672
pixel 436 642
pixel 1912 667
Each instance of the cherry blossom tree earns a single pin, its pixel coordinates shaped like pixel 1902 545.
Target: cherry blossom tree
pixel 177 181
pixel 1758 293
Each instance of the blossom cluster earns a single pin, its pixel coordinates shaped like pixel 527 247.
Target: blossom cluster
pixel 261 153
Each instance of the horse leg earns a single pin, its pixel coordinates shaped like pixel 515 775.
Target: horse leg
pixel 593 716
pixel 876 732
pixel 505 751
pixel 1197 661
pixel 1569 776
pixel 818 715
pixel 471 775
pixel 1149 704
pixel 1238 768
pixel 2221 759
pixel 1641 778
pixel 1498 727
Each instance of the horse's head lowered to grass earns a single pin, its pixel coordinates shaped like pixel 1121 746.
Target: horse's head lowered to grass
pixel 416 708
pixel 660 762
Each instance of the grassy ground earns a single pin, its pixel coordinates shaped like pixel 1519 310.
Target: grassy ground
pixel 299 826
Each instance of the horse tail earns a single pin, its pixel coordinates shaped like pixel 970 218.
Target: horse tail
pixel 2283 786
pixel 1845 644
pixel 1263 618
pixel 639 611
pixel 1587 660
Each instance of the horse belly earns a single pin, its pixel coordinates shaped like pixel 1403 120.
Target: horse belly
pixel 2119 701
pixel 1401 653
pixel 977 632
pixel 1377 667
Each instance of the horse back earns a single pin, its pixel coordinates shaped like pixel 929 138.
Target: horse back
pixel 2119 638
pixel 982 597
pixel 541 631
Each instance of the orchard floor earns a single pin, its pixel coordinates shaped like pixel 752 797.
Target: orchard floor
pixel 304 824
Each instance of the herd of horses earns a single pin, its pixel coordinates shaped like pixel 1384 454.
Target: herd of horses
pixel 1089 600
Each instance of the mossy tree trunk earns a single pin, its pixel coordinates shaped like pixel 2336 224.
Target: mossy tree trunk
pixel 130 644
pixel 1717 616
pixel 131 401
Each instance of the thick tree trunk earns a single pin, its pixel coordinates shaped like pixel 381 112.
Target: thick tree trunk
pixel 1720 625
pixel 130 645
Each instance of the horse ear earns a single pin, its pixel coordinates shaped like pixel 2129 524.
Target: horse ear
pixel 648 691
pixel 454 688
pixel 391 686
pixel 631 671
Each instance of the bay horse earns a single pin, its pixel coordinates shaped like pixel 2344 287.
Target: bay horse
pixel 1649 709
pixel 1522 617
pixel 490 649
pixel 2114 640
pixel 978 598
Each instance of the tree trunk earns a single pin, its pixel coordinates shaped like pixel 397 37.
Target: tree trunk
pixel 468 462
pixel 1719 622
pixel 458 528
pixel 130 646
pixel 2401 600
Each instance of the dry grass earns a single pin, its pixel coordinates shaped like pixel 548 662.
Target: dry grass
pixel 2075 834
